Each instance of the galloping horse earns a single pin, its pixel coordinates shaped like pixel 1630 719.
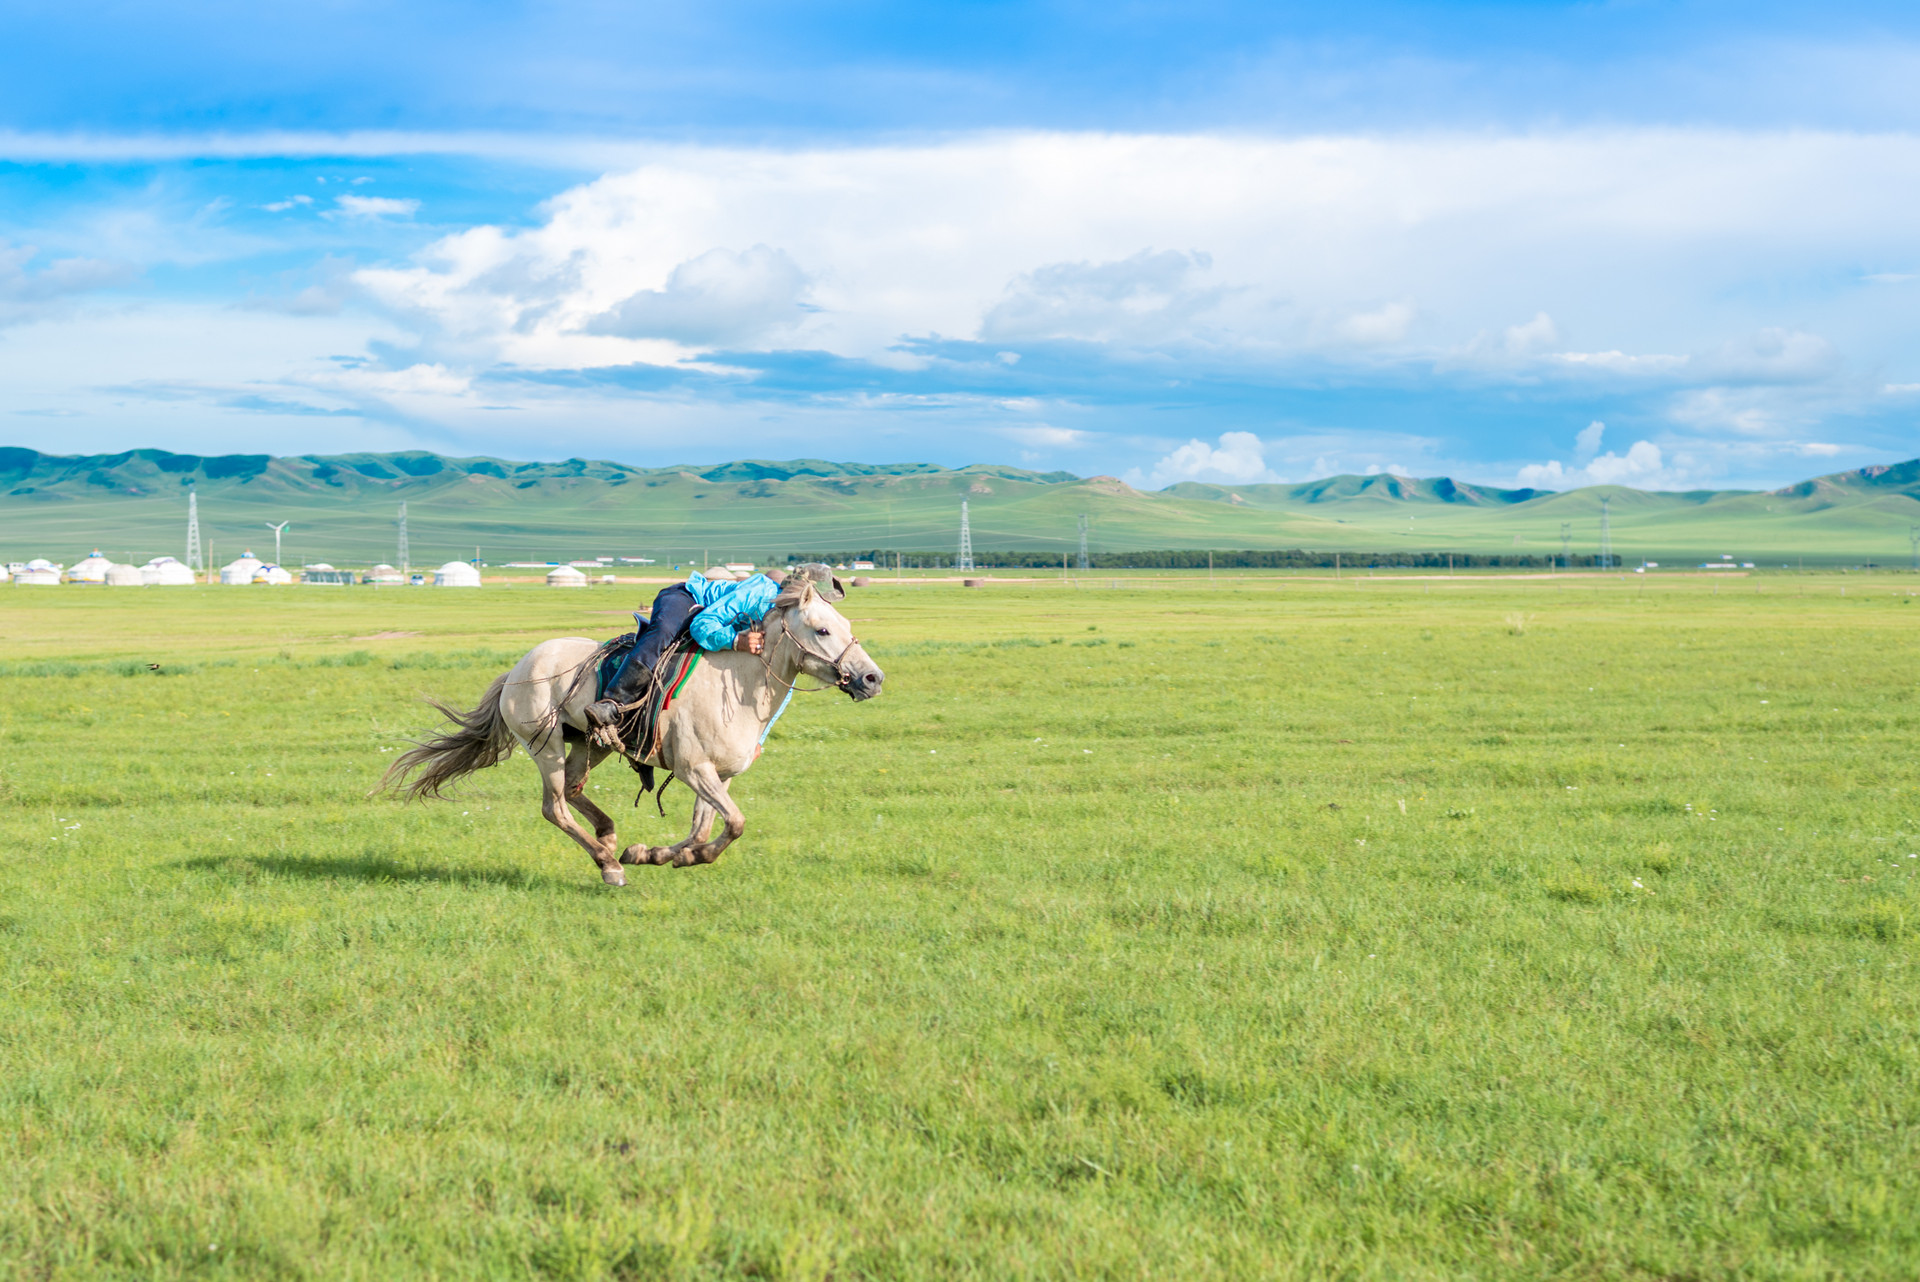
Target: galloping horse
pixel 711 732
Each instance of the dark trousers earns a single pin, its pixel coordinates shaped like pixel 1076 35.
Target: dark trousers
pixel 672 607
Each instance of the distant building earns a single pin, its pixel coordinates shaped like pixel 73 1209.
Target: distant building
pixel 456 574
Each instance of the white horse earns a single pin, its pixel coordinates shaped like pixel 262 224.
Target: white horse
pixel 711 732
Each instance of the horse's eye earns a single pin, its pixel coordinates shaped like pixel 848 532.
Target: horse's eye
pixel 824 632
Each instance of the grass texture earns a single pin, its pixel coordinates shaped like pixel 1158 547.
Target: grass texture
pixel 1271 929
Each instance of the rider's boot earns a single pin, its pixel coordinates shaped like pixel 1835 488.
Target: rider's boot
pixel 625 688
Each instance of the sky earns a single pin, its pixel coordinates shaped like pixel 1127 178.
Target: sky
pixel 1666 245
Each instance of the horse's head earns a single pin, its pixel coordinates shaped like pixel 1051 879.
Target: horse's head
pixel 824 644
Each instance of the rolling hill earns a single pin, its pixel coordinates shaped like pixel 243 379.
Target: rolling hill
pixel 343 508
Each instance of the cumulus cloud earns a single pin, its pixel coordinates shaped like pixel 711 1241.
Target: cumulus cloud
pixel 1239 459
pixel 718 297
pixel 1642 467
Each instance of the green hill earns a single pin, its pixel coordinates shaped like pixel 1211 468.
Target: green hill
pixel 342 508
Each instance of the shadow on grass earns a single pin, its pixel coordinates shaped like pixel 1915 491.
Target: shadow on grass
pixel 374 868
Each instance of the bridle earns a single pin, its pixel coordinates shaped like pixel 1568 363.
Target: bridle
pixel 837 663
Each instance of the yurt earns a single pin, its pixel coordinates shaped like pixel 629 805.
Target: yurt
pixel 165 572
pixel 456 574
pixel 717 574
pixel 272 576
pixel 92 569
pixel 123 576
pixel 565 576
pixel 240 572
pixel 38 573
pixel 384 573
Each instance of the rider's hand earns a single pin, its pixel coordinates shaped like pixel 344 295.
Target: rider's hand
pixel 749 642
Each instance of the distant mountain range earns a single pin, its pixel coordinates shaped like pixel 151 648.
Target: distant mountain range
pixel 343 507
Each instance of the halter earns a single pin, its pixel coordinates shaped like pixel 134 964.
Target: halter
pixel 839 670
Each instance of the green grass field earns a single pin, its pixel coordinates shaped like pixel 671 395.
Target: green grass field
pixel 1382 929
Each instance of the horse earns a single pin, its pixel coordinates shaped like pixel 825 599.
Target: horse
pixel 710 733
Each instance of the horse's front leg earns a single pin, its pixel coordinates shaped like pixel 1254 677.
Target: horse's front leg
pixel 712 791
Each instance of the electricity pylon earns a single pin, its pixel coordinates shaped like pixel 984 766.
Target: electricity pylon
pixel 965 561
pixel 195 561
pixel 1084 563
pixel 403 538
pixel 1606 536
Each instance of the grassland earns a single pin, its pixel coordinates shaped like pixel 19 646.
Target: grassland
pixel 1381 929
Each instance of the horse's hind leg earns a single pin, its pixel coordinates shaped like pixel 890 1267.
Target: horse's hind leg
pixel 582 757
pixel 703 815
pixel 555 768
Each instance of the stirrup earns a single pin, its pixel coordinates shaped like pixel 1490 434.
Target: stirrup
pixel 607 736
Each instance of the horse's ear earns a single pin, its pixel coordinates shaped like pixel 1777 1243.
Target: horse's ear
pixel 796 591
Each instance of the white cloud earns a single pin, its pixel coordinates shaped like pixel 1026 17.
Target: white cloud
pixel 1642 467
pixel 1621 362
pixel 1587 443
pixel 1386 324
pixel 718 297
pixel 1536 335
pixel 1636 238
pixel 292 202
pixel 1148 295
pixel 1043 436
pixel 1239 459
pixel 374 207
pixel 29 293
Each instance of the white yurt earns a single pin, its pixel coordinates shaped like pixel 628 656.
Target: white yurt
pixel 92 569
pixel 39 573
pixel 240 572
pixel 717 574
pixel 123 576
pixel 456 574
pixel 384 573
pixel 166 572
pixel 272 575
pixel 565 576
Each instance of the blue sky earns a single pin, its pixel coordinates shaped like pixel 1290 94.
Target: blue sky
pixel 1668 245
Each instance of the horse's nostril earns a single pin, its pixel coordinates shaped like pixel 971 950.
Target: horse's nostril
pixel 873 678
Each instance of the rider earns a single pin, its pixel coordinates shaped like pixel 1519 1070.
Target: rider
pixel 725 612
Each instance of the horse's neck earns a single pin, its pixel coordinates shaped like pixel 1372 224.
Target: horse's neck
pixel 763 682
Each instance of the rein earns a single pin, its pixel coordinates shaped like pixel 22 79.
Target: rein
pixel 846 677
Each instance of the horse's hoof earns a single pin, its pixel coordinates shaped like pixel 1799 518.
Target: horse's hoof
pixel 660 855
pixel 613 876
pixel 635 854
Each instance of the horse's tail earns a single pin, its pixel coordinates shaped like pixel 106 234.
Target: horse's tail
pixel 479 739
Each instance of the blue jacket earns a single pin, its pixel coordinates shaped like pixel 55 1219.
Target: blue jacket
pixel 727 606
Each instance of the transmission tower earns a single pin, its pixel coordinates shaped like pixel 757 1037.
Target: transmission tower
pixel 1606 536
pixel 1913 539
pixel 1084 563
pixel 1566 545
pixel 965 561
pixel 195 560
pixel 403 538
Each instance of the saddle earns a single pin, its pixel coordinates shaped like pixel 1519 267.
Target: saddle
pixel 637 733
